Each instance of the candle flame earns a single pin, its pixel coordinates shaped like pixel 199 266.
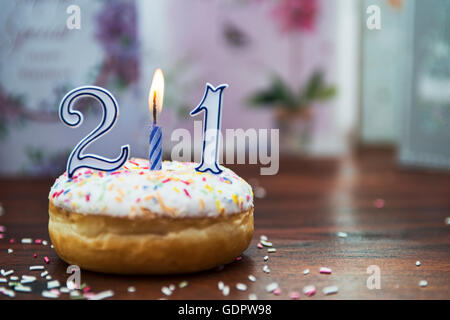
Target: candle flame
pixel 156 93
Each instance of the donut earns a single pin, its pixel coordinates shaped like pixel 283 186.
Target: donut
pixel 137 221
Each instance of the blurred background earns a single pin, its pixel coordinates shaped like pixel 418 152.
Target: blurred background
pixel 323 72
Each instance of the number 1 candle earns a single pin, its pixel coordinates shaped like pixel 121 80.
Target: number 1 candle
pixel 155 101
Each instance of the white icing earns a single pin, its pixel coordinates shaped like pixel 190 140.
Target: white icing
pixel 177 190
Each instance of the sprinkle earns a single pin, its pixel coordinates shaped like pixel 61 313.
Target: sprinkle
pixel 14 278
pixel 1 235
pixel 226 291
pixel 306 271
pixel 166 291
pixel 44 242
pixel 88 197
pixel 266 243
pixel 379 203
pixel 277 291
pixel 48 294
pixel 167 180
pixel 266 269
pixel 342 234
pixel 52 284
pixel 22 288
pixel 48 277
pixel 7 273
pixel 187 193
pixel 252 296
pixel 12 240
pixel 241 287
pixel 263 238
pixel 309 290
pixel 3 280
pixel 47 260
pixel 25 277
pixel 294 295
pixel 35 255
pixel 26 240
pixel 86 289
pixel 2 228
pixel 209 188
pixel 271 287
pixel 7 292
pixel 38 241
pixel 252 278
pixel 102 295
pixel 220 285
pixel 44 274
pixel 418 263
pixel 36 267
pixel 172 287
pixel 30 280
pixel 447 221
pixel 239 258
pixel 64 290
pixel 183 284
pixel 266 258
pixel 330 290
pixel 423 283
pixel 271 250
pixel 325 270
pixel 10 250
pixel 260 246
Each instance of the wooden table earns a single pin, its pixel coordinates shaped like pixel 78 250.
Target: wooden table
pixel 305 205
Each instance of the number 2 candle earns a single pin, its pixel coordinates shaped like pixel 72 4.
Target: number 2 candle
pixel 155 102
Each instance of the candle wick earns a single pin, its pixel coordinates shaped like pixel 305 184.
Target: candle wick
pixel 154 107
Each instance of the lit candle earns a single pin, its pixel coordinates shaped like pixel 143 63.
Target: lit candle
pixel 155 102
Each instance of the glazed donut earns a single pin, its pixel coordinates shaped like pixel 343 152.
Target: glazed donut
pixel 137 221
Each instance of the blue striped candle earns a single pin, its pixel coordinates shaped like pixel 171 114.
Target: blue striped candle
pixel 155 157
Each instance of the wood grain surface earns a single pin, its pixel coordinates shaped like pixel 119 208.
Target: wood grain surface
pixel 303 208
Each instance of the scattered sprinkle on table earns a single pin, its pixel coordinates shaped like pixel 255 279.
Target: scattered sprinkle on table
pixel 342 234
pixel 266 269
pixel 252 296
pixel 131 289
pixel 36 267
pixel 239 258
pixel 26 240
pixel 260 246
pixel 263 238
pixel 10 251
pixel 241 286
pixel 266 243
pixel 52 284
pixel 423 283
pixel 102 295
pixel 48 294
pixel 277 291
pixel 447 221
pixel 22 288
pixel 2 228
pixel 7 273
pixel 226 291
pixel 271 287
pixel 325 270
pixel 270 250
pixel 183 284
pixel 14 278
pixel 330 290
pixel 3 280
pixel 220 285
pixel 309 290
pixel 47 260
pixel 166 291
pixel 306 271
pixel 252 278
pixel 418 263
pixel 266 258
pixel 44 274
pixel 172 287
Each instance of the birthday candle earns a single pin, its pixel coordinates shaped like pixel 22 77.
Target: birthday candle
pixel 155 101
